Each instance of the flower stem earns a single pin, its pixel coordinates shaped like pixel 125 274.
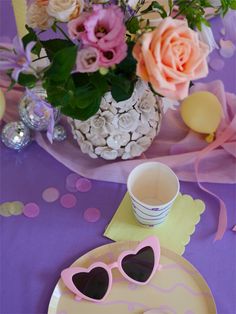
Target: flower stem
pixel 61 30
pixel 39 58
pixel 184 8
pixel 34 71
pixel 5 48
pixel 171 5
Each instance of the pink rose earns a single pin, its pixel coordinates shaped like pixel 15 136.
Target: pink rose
pixel 170 57
pixel 87 60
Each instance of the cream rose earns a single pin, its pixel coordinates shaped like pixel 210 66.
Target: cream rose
pixel 65 10
pixel 170 57
pixel 37 17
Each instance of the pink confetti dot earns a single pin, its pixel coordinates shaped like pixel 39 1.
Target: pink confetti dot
pixel 83 185
pixel 227 48
pixel 50 195
pixel 31 210
pixel 217 64
pixel 92 214
pixel 71 180
pixel 68 200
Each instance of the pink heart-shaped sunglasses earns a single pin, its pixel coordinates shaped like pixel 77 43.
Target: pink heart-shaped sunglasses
pixel 94 283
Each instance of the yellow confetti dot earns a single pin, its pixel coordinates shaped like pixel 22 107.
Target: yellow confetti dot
pixel 4 209
pixel 16 208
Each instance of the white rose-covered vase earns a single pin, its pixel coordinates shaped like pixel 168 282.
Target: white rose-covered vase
pixel 120 129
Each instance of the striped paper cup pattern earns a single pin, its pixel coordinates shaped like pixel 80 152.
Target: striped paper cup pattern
pixel 150 216
pixel 153 188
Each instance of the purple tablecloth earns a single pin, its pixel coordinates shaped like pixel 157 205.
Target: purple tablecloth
pixel 34 251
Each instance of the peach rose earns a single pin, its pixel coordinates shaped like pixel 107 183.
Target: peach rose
pixel 170 57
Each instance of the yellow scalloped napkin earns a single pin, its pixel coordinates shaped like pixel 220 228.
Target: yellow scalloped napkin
pixel 174 233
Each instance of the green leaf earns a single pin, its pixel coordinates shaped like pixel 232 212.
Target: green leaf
pixel 93 84
pixel 148 9
pixel 77 101
pixel 155 6
pixel 37 48
pixel 27 80
pixel 206 22
pixel 80 78
pixel 54 27
pixel 84 90
pixel 54 45
pixel 59 97
pixel 32 36
pixel 80 113
pixel 171 5
pixel 121 88
pixel 160 9
pixel 59 93
pixel 195 11
pixel 128 65
pixel 62 64
pixel 133 25
pixel 10 87
pixel 99 82
pixel 233 5
pixel 84 96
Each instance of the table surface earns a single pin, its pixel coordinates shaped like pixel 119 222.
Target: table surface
pixel 34 251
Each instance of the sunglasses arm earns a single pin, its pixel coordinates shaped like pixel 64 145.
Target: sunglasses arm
pixel 77 298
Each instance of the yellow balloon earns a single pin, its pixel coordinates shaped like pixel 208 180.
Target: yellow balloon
pixel 2 104
pixel 201 112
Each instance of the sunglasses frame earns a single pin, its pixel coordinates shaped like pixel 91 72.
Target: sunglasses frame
pixel 68 273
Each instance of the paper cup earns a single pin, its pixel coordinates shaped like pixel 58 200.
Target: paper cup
pixel 153 187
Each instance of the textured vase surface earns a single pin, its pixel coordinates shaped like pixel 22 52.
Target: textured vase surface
pixel 123 129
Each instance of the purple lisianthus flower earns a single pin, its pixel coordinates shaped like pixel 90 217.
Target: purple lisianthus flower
pixel 103 29
pixel 18 59
pixel 112 56
pixel 76 28
pixel 87 60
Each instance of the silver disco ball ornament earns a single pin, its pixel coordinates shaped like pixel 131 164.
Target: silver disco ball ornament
pixel 35 112
pixel 15 135
pixel 59 133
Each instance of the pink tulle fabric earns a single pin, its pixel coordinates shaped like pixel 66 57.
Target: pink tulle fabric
pixel 175 145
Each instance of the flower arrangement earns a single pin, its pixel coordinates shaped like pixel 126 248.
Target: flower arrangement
pixel 103 46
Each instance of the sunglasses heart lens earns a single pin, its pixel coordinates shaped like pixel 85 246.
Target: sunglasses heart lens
pixel 139 266
pixel 93 284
